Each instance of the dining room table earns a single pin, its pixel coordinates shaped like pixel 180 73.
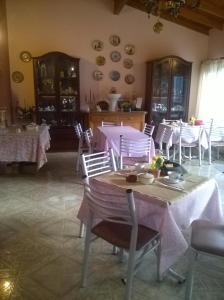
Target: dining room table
pixel 28 144
pixel 194 129
pixel 109 137
pixel 168 208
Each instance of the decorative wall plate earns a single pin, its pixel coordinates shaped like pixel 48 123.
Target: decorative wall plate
pixel 115 56
pixel 129 49
pixel 97 75
pixel 97 45
pixel 128 63
pixel 115 75
pixel 100 60
pixel 25 56
pixel 129 78
pixel 114 40
pixel 17 76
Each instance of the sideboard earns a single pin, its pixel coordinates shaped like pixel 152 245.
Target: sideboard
pixel 135 119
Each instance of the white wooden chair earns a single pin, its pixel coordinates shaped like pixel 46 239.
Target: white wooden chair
pixel 187 140
pixel 81 144
pixel 165 138
pixel 148 129
pixel 88 138
pixel 206 239
pixel 94 164
pixel 119 227
pixel 134 150
pixel 104 123
pixel 215 139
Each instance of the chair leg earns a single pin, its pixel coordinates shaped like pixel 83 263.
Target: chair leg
pixel 180 155
pixel 82 230
pixel 199 154
pixel 130 274
pixel 158 258
pixel 209 153
pixel 190 156
pixel 86 256
pixel 190 277
pixel 217 152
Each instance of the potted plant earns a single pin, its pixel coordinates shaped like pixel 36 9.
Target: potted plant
pixel 157 164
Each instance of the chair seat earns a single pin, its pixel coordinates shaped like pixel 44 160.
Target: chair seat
pixel 208 237
pixel 133 160
pixel 218 144
pixel 119 234
pixel 183 144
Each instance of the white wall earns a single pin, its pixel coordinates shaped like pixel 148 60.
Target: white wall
pixel 71 25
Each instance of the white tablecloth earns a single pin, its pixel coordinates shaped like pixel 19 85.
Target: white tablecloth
pixel 24 146
pixel 176 133
pixel 109 137
pixel 165 210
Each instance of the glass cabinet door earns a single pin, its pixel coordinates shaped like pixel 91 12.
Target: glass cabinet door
pixel 179 90
pixel 160 90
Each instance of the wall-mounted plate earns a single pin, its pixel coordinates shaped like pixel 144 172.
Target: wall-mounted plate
pixel 97 45
pixel 100 60
pixel 25 56
pixel 128 63
pixel 98 75
pixel 129 78
pixel 115 56
pixel 129 49
pixel 115 75
pixel 17 76
pixel 114 40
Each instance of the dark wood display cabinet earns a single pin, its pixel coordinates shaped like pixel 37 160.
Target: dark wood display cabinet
pixel 56 80
pixel 167 89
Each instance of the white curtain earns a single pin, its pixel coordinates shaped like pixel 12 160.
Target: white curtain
pixel 210 102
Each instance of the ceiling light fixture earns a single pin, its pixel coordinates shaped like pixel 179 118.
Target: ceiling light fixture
pixel 169 7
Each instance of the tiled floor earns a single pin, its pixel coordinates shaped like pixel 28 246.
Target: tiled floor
pixel 41 254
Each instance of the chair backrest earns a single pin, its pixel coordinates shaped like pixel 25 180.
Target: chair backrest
pixel 216 132
pixel 98 163
pixel 104 123
pixel 78 130
pixel 171 121
pixel 148 129
pixel 88 137
pixel 187 135
pixel 130 147
pixel 165 137
pixel 115 208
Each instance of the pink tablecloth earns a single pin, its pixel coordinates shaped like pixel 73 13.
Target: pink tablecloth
pixel 25 146
pixel 176 133
pixel 109 137
pixel 167 211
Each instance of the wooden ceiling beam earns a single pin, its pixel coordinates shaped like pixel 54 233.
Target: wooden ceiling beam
pixel 118 6
pixel 215 9
pixel 202 17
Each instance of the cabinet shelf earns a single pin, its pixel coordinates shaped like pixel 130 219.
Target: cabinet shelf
pixel 59 93
pixel 167 88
